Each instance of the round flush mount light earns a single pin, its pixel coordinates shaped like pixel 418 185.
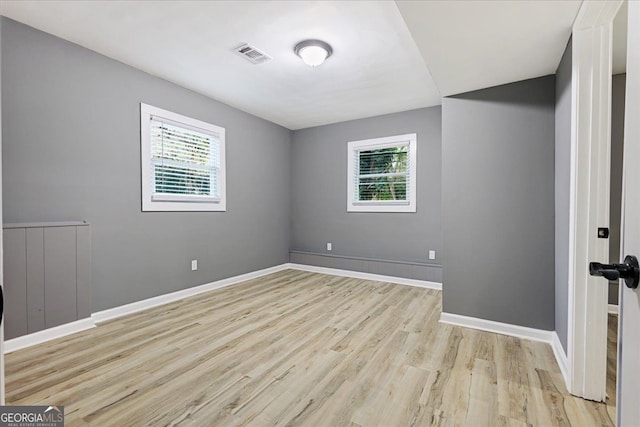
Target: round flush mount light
pixel 313 52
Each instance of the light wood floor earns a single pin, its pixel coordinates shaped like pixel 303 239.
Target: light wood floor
pixel 612 363
pixel 298 348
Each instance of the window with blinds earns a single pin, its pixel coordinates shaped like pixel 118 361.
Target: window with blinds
pixel 182 162
pixel 381 174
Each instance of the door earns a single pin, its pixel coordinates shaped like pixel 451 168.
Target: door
pixel 629 320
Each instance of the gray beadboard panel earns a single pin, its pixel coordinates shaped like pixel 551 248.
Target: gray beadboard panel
pixel 431 273
pixel 345 264
pixel 394 270
pixel 15 283
pixel 35 279
pixel 60 275
pixel 83 273
pixel 43 224
pixel 328 262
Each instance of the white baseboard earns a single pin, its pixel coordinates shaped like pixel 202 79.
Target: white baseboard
pixel 497 327
pixel 612 309
pixel 134 307
pixel 549 337
pixel 113 313
pixel 367 276
pixel 47 335
pixel 101 316
pixel 561 357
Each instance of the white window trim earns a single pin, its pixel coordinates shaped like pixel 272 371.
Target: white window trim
pixel 382 206
pixel 163 202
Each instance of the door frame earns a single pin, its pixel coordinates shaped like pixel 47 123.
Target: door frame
pixel 627 410
pixel 589 204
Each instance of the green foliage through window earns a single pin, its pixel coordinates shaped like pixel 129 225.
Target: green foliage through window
pixel 383 174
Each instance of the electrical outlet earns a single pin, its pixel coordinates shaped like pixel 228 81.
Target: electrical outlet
pixel 194 264
pixel 329 246
pixel 432 254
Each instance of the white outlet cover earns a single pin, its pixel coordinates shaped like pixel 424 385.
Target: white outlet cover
pixel 194 264
pixel 432 254
pixel 329 246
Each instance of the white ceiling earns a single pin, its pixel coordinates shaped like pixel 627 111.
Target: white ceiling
pixel 375 68
pixel 470 45
pixel 380 48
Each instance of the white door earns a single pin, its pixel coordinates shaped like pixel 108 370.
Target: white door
pixel 629 322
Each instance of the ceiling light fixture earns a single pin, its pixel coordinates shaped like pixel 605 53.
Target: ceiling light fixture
pixel 313 52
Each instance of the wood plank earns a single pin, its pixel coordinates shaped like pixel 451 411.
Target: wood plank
pixel 297 348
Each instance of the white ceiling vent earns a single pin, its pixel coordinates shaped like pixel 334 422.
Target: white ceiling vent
pixel 251 54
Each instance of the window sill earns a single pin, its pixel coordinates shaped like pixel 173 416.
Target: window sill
pixel 393 207
pixel 149 205
pixel 184 198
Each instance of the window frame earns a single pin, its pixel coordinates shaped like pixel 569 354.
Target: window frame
pixel 353 147
pixel 152 202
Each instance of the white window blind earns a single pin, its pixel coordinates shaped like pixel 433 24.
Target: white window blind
pixel 382 174
pixel 185 162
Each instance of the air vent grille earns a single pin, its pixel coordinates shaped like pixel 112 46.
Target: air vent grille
pixel 251 54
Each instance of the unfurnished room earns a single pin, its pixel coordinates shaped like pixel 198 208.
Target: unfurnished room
pixel 320 213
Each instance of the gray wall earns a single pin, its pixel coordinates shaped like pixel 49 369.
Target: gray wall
pixel 365 241
pixel 615 195
pixel 71 150
pixel 562 193
pixel 498 203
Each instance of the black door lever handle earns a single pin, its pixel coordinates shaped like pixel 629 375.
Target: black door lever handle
pixel 608 271
pixel 629 271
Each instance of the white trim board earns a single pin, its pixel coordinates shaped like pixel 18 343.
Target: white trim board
pixel 48 335
pixel 589 196
pixel 367 276
pixel 135 307
pixel 497 327
pixel 523 332
pixel 113 313
pixel 561 357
